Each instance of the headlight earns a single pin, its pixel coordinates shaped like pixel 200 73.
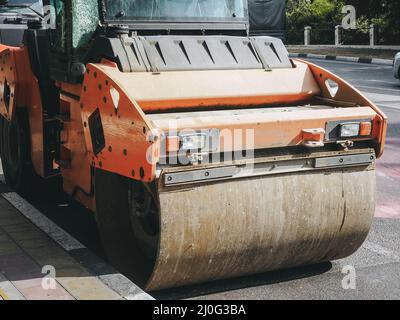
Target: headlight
pixel 194 141
pixel 202 141
pixel 349 130
pixel 355 129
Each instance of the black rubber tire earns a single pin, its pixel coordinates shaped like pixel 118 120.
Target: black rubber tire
pixel 15 153
pixel 120 241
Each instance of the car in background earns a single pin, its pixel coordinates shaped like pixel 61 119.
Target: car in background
pixel 396 68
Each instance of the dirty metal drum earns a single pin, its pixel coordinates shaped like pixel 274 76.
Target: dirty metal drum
pixel 240 227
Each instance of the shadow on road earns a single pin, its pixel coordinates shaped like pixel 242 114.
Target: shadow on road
pixel 243 282
pixel 70 215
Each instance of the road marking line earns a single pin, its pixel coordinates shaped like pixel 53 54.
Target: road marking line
pixel 381 81
pixel 384 89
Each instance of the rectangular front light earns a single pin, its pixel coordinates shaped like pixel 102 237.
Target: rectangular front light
pixel 348 130
pixel 194 142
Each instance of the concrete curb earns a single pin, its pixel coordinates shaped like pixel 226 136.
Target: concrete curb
pixel 382 62
pixel 95 266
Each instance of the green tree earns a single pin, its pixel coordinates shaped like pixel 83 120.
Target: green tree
pixel 324 15
pixel 385 14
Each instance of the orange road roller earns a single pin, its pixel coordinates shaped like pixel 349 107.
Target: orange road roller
pixel 203 153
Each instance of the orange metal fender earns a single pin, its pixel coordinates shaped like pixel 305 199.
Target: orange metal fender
pixel 132 142
pixel 16 77
pixel 347 93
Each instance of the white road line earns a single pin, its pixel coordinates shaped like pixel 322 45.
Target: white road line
pixel 382 82
pixel 384 89
pixel 64 239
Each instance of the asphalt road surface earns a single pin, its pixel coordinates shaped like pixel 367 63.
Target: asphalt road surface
pixel 375 267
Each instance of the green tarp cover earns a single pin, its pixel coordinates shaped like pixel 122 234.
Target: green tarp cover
pixel 85 21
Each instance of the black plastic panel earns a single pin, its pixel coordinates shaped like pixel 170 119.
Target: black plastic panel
pixel 96 132
pixel 173 53
pixel 190 53
pixel 180 53
pixel 272 52
pixel 12 35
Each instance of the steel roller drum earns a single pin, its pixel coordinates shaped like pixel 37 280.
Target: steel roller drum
pixel 240 227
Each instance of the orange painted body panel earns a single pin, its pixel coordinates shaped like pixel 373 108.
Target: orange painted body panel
pixel 229 102
pixel 132 131
pixel 131 139
pixel 131 143
pixel 273 128
pixel 126 102
pixel 206 89
pixel 73 89
pixel 25 92
pixel 348 93
pixel 77 178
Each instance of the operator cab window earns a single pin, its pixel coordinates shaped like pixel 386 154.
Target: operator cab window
pixel 176 10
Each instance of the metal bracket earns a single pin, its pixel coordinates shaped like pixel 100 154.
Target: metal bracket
pixel 351 160
pixel 313 138
pixel 346 144
pixel 199 175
